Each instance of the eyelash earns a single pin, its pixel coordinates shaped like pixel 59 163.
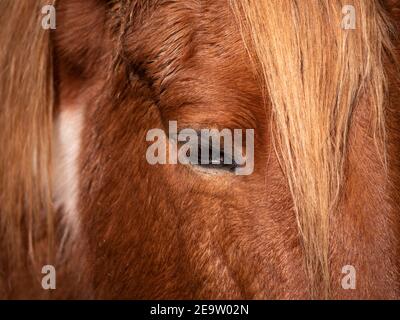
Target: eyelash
pixel 216 166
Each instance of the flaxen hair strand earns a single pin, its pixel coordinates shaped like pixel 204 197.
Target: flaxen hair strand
pixel 26 112
pixel 315 73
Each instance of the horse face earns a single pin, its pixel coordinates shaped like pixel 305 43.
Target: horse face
pixel 189 231
pixel 171 230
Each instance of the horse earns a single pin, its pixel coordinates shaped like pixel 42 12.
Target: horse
pixel 77 192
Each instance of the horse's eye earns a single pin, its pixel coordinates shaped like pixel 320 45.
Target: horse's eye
pixel 216 160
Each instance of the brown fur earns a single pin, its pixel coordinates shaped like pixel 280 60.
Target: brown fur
pixel 168 231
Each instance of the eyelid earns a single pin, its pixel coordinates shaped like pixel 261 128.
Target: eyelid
pixel 221 165
pixel 231 166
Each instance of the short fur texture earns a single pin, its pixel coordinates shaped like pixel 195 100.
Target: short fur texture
pixel 325 106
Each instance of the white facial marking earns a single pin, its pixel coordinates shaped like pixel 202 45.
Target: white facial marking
pixel 66 149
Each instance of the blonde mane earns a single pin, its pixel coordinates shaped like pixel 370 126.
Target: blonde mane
pixel 26 113
pixel 315 74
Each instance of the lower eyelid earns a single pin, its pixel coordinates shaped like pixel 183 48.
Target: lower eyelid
pixel 210 171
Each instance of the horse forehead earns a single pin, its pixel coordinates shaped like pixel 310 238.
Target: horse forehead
pixel 197 63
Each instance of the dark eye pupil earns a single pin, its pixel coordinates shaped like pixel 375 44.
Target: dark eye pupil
pixel 216 161
pixel 212 160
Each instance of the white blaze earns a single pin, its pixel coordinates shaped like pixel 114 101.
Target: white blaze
pixel 66 148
